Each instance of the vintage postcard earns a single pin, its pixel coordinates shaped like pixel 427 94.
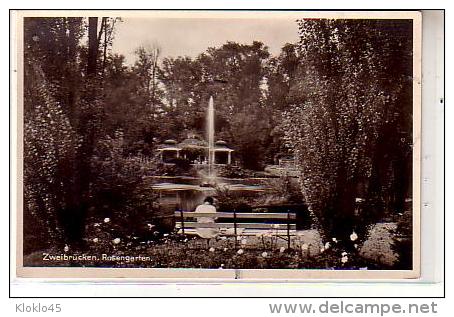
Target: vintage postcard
pixel 216 144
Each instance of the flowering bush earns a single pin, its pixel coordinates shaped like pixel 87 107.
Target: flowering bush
pixel 50 146
pixel 284 190
pixel 178 251
pixel 232 171
pixel 228 200
pixel 119 191
pixel 179 167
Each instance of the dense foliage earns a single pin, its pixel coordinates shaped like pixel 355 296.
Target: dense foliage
pixel 75 153
pixel 350 124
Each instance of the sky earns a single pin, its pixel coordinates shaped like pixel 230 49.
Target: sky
pixel 192 36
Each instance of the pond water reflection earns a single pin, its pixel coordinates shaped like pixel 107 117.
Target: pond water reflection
pixel 188 192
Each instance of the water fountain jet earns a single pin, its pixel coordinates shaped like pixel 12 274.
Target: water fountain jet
pixel 188 192
pixel 211 182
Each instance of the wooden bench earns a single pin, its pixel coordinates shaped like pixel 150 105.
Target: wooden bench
pixel 186 223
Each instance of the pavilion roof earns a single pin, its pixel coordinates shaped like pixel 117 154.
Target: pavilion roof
pixel 220 146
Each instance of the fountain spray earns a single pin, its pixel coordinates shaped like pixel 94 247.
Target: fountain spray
pixel 210 132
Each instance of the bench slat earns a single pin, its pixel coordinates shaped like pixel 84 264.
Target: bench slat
pixel 239 215
pixel 282 226
pixel 246 232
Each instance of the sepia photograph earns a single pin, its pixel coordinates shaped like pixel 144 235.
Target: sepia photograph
pixel 223 144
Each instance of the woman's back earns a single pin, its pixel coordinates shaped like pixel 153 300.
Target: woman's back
pixel 206 233
pixel 205 209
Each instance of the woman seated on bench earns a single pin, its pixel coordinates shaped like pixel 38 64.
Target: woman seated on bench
pixel 207 207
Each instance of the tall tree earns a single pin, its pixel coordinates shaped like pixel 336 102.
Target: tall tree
pixel 93 46
pixel 351 95
pixel 147 70
pixel 186 96
pixel 54 45
pixel 234 75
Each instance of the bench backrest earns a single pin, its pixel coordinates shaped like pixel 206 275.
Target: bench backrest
pixel 280 221
pixel 283 223
pixel 237 215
